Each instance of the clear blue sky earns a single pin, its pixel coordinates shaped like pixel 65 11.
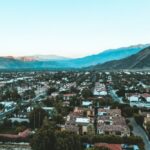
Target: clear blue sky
pixel 71 28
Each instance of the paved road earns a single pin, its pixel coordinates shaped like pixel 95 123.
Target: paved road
pixel 114 95
pixel 10 111
pixel 138 131
pixel 4 114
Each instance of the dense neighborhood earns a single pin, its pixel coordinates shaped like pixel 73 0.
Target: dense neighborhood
pixel 79 110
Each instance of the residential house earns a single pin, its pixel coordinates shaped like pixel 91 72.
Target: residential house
pixel 80 121
pixel 110 121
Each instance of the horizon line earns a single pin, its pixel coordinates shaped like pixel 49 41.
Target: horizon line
pixel 55 55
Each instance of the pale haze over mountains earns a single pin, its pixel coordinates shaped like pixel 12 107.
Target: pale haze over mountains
pixel 41 58
pixel 58 62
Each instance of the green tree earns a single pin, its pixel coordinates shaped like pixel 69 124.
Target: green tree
pixel 148 127
pixel 1 106
pixel 51 90
pixel 36 117
pixel 47 138
pixel 86 93
pixel 121 92
pixel 44 139
pixel 91 130
pixel 75 101
pixel 139 119
pixel 67 141
pixel 29 94
pixel 58 119
pixel 11 93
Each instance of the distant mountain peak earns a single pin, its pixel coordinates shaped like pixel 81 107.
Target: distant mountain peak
pixel 140 60
pixel 140 46
pixel 42 58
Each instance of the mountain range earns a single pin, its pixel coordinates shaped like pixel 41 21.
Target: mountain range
pixel 140 60
pixel 58 62
pixel 42 58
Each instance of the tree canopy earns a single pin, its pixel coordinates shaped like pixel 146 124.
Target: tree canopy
pixel 36 117
pixel 47 138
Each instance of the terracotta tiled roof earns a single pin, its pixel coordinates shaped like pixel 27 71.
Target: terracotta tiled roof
pixel 110 146
pixel 112 128
pixel 23 134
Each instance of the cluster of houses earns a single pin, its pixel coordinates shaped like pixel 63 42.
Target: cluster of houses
pixel 100 89
pixel 67 86
pixel 110 121
pixel 85 119
pixel 80 120
pixel 102 121
pixel 138 100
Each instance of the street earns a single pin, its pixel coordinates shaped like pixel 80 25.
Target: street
pixel 138 131
pixel 114 95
